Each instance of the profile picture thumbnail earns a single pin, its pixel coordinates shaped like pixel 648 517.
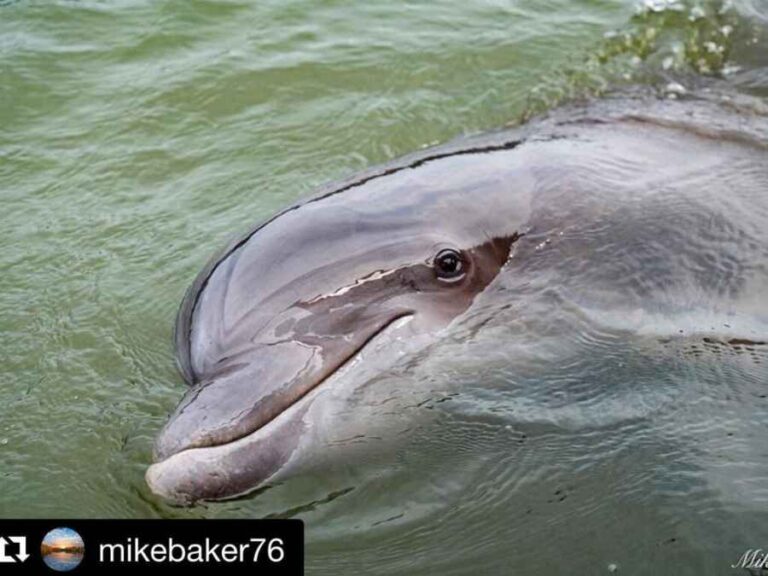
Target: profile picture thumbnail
pixel 62 549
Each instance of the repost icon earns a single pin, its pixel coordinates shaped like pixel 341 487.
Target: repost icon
pixel 13 549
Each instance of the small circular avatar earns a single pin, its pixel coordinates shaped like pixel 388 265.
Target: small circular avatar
pixel 62 549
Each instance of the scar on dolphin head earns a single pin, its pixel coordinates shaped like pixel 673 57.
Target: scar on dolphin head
pixel 183 325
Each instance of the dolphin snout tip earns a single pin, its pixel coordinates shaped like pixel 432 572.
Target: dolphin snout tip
pixel 186 478
pixel 158 478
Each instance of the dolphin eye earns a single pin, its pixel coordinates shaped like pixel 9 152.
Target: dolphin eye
pixel 449 265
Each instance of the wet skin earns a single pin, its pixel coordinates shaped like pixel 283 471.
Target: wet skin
pixel 655 205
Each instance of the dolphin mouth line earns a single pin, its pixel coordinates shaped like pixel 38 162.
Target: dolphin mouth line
pixel 340 366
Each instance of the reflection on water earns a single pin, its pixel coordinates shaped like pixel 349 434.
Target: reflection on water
pixel 63 561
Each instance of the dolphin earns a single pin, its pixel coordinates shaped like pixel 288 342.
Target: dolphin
pixel 651 214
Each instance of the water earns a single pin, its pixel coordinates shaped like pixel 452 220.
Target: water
pixel 137 137
pixel 63 561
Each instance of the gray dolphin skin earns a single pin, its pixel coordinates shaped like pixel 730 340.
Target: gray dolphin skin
pixel 648 205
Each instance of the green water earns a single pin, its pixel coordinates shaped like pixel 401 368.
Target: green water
pixel 136 137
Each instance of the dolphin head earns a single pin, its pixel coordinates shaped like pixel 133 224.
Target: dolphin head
pixel 270 322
